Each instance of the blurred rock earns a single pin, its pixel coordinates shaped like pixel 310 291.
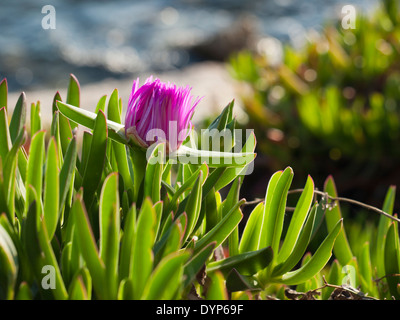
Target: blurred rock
pixel 243 34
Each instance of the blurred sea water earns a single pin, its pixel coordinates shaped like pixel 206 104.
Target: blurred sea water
pixel 102 39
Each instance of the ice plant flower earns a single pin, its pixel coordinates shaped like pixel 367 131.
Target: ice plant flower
pixel 159 111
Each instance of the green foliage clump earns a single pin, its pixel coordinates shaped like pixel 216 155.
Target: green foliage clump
pixel 332 107
pixel 99 220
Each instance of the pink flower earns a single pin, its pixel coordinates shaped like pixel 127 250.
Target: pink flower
pixel 159 112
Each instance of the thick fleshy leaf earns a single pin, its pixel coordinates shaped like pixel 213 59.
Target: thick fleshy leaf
pixel 36 120
pixel 366 271
pixel 224 118
pixel 18 117
pixel 250 240
pixel 9 264
pixel 40 252
pixel 119 150
pixel 171 237
pixel 109 221
pixel 195 263
pixel 187 185
pixel 88 247
pixel 212 214
pixel 14 189
pixel 3 93
pixel 86 118
pixel 317 261
pixel 274 208
pixel 193 205
pixel 334 277
pixel 113 111
pixel 297 221
pixel 55 133
pixel 383 227
pixel 165 281
pixel 138 161
pixel 5 140
pixel 392 260
pixel 59 292
pixel 73 95
pixel 51 190
pixel 154 169
pixel 217 289
pixel 24 292
pixel 230 201
pixel 96 160
pixel 101 105
pixel 222 230
pixel 35 167
pixel 248 263
pixel 231 173
pixel 237 282
pixel 142 259
pixel 81 286
pixel 67 172
pixel 342 248
pixel 127 242
pixel 300 247
pixel 57 97
pixel 85 151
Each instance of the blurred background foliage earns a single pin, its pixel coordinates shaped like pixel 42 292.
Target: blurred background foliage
pixel 330 108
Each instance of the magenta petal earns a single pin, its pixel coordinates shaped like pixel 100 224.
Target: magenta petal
pixel 153 106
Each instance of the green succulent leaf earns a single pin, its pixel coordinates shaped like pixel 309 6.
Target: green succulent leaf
pixel 88 247
pixel 223 229
pixel 51 190
pixel 109 221
pixel 317 261
pixel 193 205
pixel 217 289
pixel 81 286
pixel 165 281
pixel 300 247
pixel 196 263
pixel 383 227
pixel 36 120
pixel 18 118
pixel 8 264
pixel 237 282
pixel 392 260
pixel 274 209
pixel 3 94
pixel 5 140
pixel 67 173
pixel 87 119
pixel 342 248
pixel 142 254
pixel 250 240
pixel 127 242
pixel 153 175
pixel 248 263
pixel 96 160
pixel 297 221
pixel 34 174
